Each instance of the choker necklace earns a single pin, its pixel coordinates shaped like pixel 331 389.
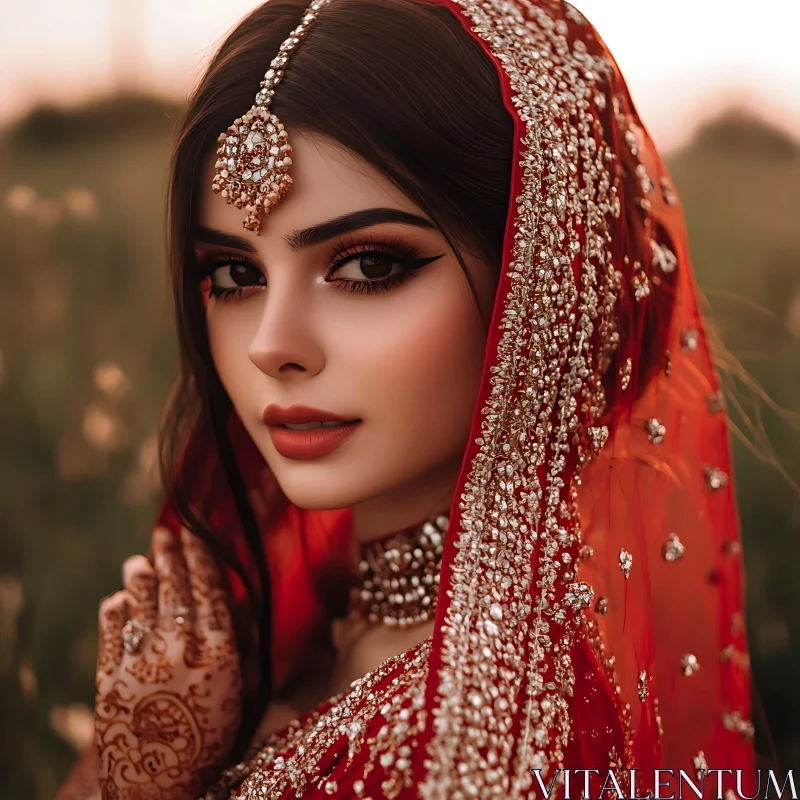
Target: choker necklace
pixel 398 578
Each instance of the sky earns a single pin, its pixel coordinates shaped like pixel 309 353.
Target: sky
pixel 685 60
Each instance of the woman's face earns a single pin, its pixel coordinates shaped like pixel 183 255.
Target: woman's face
pixel 349 302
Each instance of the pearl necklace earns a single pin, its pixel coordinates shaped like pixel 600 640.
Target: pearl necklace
pixel 398 579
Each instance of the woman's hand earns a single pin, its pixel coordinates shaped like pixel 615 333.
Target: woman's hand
pixel 168 678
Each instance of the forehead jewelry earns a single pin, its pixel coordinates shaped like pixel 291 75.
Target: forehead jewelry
pixel 254 154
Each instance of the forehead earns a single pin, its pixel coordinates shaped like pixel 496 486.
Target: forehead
pixel 328 180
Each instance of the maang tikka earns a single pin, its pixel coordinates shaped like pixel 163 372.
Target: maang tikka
pixel 254 154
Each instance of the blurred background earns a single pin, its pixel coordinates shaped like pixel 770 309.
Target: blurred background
pixel 90 92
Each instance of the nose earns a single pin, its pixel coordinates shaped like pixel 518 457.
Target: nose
pixel 287 343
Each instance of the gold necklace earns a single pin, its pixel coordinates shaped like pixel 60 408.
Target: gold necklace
pixel 398 579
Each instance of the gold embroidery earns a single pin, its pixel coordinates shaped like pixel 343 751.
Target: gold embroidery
pixel 518 515
pixel 289 761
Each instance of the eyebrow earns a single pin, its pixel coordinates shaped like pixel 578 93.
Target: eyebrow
pixel 316 234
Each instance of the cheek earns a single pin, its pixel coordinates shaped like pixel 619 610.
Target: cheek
pixel 230 333
pixel 420 377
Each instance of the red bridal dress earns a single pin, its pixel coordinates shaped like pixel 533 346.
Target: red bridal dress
pixel 590 607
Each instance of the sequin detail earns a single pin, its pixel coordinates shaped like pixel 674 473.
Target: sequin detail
pixel 735 721
pixel 731 653
pixel 579 596
pixel 655 430
pixel 644 179
pixel 625 563
pixel 715 478
pixel 586 552
pixel 598 436
pixel 689 339
pixel 670 198
pixel 625 374
pixel 663 258
pixel 289 761
pixel 700 763
pixel 731 547
pixel 641 286
pixel 659 720
pixel 672 549
pixel 642 689
pixel 689 664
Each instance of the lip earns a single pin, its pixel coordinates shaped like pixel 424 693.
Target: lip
pixel 306 445
pixel 297 415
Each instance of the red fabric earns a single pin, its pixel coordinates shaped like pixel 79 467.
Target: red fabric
pixel 630 499
pixel 305 551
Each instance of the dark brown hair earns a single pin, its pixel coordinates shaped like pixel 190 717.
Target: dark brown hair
pixel 400 83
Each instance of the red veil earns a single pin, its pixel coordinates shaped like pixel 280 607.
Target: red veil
pixel 590 611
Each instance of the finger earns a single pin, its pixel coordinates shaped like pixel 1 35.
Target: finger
pixel 207 587
pixel 175 605
pixel 140 581
pixel 112 615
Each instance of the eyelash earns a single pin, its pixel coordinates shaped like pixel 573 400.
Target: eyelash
pixel 347 249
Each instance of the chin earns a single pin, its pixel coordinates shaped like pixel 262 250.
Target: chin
pixel 322 489
pixel 323 484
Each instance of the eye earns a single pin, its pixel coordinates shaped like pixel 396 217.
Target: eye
pixel 229 276
pixel 374 266
pixel 235 274
pixel 378 264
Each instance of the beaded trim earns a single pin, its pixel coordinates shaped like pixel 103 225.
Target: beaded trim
pixel 254 154
pixel 289 761
pixel 399 579
pixel 519 538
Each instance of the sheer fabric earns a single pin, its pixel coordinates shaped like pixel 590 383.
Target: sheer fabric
pixel 590 612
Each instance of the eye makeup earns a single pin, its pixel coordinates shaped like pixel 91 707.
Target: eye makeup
pixel 385 262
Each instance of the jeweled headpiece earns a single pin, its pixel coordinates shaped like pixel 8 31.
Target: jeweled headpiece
pixel 254 154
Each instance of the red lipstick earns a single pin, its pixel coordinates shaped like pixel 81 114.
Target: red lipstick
pixel 316 440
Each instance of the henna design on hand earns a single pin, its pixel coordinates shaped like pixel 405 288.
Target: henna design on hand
pixel 112 616
pixel 168 714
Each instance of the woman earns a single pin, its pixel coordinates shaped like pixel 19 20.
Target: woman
pixel 524 448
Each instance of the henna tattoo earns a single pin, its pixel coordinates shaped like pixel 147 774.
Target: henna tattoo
pixel 167 738
pixel 208 592
pixel 167 716
pixel 153 664
pixel 112 616
pixel 142 586
pixel 173 583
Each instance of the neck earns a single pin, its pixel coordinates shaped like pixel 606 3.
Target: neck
pixel 407 505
